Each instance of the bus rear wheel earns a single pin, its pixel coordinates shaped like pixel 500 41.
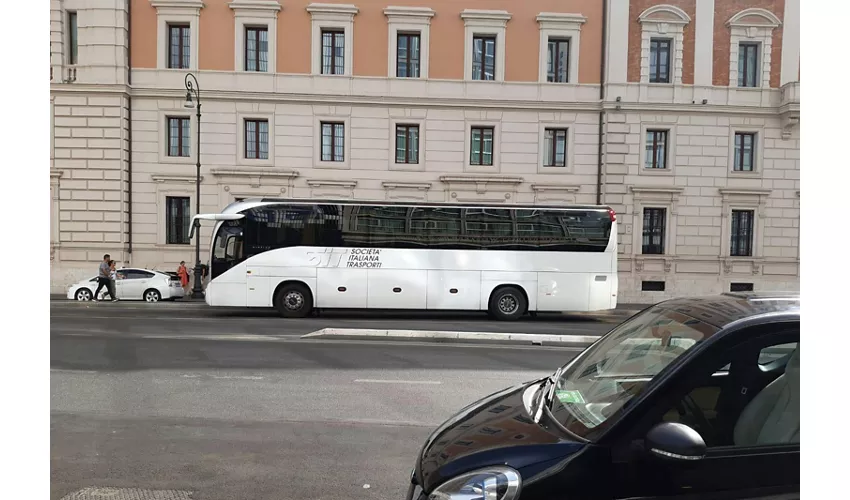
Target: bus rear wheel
pixel 293 301
pixel 508 304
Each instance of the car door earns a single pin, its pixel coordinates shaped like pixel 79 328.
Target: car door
pixel 734 372
pixel 120 281
pixel 135 283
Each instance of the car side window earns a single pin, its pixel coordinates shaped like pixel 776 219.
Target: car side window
pixel 121 274
pixel 749 396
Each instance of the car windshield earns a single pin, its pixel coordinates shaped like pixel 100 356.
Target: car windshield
pixel 602 381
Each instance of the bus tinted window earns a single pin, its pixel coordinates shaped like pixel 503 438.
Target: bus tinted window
pixel 376 226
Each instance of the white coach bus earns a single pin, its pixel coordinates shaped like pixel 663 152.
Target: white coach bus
pixel 297 255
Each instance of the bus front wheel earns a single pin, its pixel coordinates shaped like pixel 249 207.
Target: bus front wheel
pixel 293 301
pixel 508 304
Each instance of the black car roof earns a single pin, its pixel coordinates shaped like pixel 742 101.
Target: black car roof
pixel 723 310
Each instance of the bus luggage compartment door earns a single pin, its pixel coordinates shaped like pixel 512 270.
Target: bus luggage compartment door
pixel 397 289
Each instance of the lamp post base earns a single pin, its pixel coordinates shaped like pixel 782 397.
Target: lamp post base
pixel 198 288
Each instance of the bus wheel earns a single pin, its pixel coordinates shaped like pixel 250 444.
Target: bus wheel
pixel 508 304
pixel 293 301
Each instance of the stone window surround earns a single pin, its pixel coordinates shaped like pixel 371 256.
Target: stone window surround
pixel 332 16
pixel 743 199
pixel 177 12
pixel 667 28
pixel 240 139
pixel 666 197
pixel 562 26
pixel 484 22
pixel 541 147
pixel 166 186
pixel 416 167
pixel 670 126
pixel 317 142
pixel 758 168
pixel 409 20
pixel 467 147
pixel 761 33
pixel 250 14
pixel 55 175
pixel 162 132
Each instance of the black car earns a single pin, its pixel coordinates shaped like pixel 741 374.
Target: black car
pixel 691 398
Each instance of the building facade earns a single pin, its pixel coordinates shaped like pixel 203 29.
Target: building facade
pixel 682 115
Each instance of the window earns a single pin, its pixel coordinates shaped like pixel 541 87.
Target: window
pixel 257 49
pixel 178 46
pixel 656 149
pixel 748 62
pixel 745 151
pixel 333 52
pixel 555 153
pixel 257 139
pixel 177 220
pixel 740 287
pixel 558 61
pixel 178 136
pixel 72 38
pixel 407 144
pixel 333 141
pixel 772 353
pixel 652 286
pixel 483 57
pixel 407 56
pixel 481 146
pixel 659 60
pixel 742 233
pixel 654 221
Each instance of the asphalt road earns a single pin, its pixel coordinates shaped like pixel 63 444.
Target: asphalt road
pixel 299 419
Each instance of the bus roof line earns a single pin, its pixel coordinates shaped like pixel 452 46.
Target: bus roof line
pixel 296 201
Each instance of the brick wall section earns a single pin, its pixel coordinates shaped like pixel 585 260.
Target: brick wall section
pixel 723 11
pixel 636 8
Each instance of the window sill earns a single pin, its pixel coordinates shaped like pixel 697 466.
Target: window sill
pixel 337 165
pixel 656 171
pixel 744 173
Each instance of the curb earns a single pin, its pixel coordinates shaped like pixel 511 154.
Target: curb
pixel 420 335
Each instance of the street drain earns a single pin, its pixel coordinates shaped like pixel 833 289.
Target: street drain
pixel 126 494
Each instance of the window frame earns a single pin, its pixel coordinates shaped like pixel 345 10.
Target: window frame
pixel 739 153
pixel 407 127
pixel 484 37
pixel 181 119
pixel 481 142
pixel 182 26
pixel 553 149
pixel 183 239
pixel 656 41
pixel 408 20
pixel 485 23
pixel 410 36
pixel 655 131
pixel 333 17
pixel 647 231
pixel 743 79
pixel 257 142
pixel 557 40
pixel 246 51
pixel 334 124
pixel 249 14
pixel 73 37
pixel 335 32
pixel 734 238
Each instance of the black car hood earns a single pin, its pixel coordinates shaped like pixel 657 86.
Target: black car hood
pixel 496 430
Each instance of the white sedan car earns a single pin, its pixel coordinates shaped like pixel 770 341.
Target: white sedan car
pixel 133 284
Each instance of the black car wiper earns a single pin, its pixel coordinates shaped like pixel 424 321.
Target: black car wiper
pixel 546 397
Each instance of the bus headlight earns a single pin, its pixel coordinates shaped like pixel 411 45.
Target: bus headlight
pixel 492 483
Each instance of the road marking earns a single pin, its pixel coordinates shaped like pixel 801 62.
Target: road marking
pixel 60 370
pixel 223 377
pixel 380 381
pixel 522 338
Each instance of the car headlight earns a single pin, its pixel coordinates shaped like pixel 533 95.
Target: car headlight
pixel 492 483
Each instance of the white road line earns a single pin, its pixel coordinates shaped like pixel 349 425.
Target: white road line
pixel 380 381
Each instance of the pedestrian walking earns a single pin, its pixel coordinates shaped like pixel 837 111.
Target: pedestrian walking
pixel 183 273
pixel 104 279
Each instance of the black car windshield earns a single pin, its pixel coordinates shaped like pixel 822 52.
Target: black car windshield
pixel 594 389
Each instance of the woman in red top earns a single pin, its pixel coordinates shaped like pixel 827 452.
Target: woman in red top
pixel 184 275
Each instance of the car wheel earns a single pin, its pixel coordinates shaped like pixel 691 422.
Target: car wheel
pixel 293 301
pixel 83 294
pixel 508 304
pixel 152 295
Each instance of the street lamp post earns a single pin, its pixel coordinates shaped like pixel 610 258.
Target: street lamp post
pixel 193 92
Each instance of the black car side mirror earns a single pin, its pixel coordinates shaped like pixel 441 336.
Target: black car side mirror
pixel 674 441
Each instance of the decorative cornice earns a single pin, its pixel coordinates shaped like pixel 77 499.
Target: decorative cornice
pixel 255 5
pixel 683 17
pixel 559 18
pixel 320 183
pixel 477 179
pixel 173 178
pixel 493 16
pixel 421 186
pixel 657 189
pixel 570 188
pixel 744 192
pixel 419 13
pixel 332 8
pixel 55 174
pixel 266 172
pixel 769 18
pixel 177 4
